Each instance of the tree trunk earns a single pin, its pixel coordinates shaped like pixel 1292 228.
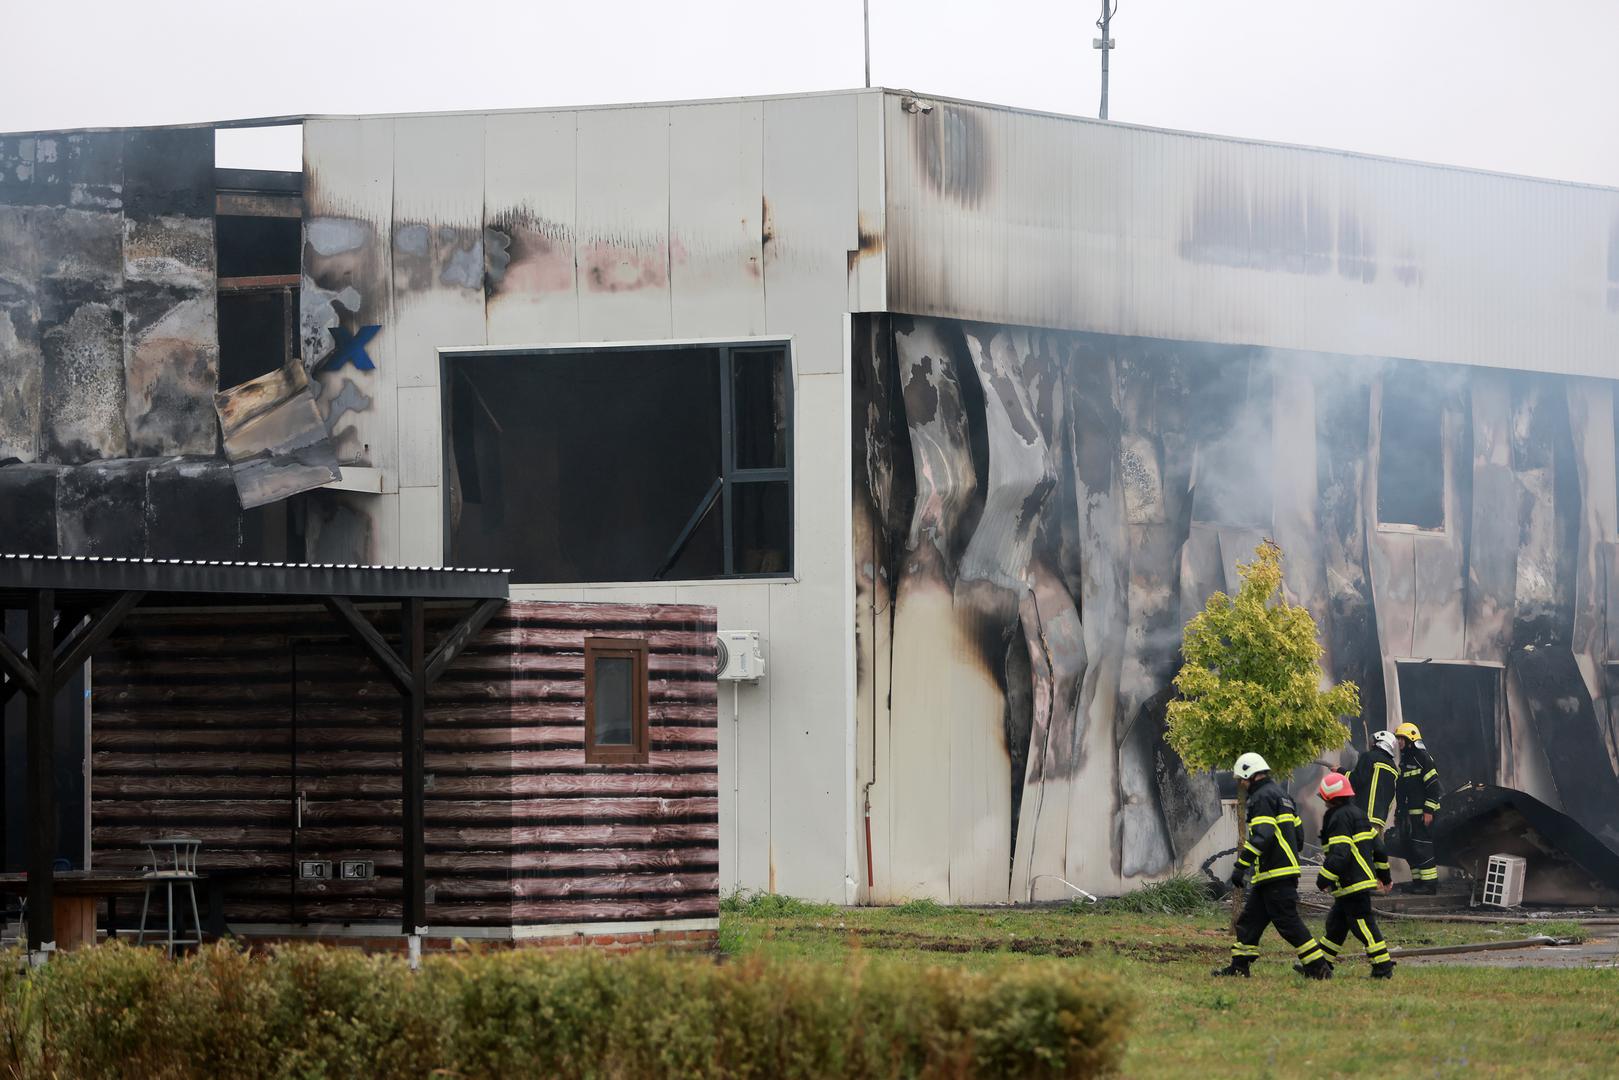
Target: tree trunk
pixel 1239 895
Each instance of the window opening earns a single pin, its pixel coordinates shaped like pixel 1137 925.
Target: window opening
pixel 1457 706
pixel 616 726
pixel 621 464
pixel 1411 453
pixel 258 236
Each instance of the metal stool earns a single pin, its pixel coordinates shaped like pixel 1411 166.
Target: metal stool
pixel 174 862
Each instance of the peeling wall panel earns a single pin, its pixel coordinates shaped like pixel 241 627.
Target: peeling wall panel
pixel 716 191
pixel 1041 220
pixel 275 439
pixel 623 224
pixel 530 168
pixel 810 222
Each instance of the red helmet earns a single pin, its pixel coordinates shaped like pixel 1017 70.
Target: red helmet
pixel 1335 785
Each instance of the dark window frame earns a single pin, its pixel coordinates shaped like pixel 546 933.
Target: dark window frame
pixel 638 750
pixel 730 475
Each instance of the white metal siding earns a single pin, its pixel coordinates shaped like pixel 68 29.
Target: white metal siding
pixel 726 219
pixel 1021 218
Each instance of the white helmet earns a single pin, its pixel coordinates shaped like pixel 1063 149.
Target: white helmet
pixel 1384 740
pixel 1249 764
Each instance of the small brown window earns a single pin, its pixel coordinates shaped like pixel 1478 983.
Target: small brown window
pixel 615 701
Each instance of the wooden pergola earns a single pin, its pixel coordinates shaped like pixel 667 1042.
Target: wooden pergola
pixel 74 603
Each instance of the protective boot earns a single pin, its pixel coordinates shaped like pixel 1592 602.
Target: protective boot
pixel 1385 970
pixel 1238 966
pixel 1425 888
pixel 1316 969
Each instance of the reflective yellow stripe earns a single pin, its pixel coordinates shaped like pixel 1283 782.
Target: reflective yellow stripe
pixel 1373 945
pixel 1265 819
pixel 1286 871
pixel 1430 774
pixel 1286 850
pixel 1349 890
pixel 1431 805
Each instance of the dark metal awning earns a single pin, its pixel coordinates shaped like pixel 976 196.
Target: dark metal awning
pixel 216 581
pixel 74 603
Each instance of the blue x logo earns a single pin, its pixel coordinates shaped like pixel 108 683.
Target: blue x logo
pixel 351 349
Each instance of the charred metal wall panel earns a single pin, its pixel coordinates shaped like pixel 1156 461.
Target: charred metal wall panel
pixel 1038 513
pixel 1045 220
pixel 108 344
pixel 202 724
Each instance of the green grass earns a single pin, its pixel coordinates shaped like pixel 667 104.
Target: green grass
pixel 1432 1020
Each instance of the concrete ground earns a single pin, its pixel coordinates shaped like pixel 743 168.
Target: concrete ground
pixel 1600 952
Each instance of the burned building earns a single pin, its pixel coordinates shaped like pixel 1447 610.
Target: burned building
pixel 963 409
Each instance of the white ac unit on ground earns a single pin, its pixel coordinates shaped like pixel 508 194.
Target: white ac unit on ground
pixel 739 657
pixel 1503 881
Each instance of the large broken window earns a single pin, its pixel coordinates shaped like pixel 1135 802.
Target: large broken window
pixel 1411 453
pixel 621 464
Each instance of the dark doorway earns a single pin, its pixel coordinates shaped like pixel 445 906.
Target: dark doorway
pixel 1457 707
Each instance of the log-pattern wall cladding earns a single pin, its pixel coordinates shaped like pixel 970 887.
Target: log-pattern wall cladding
pixel 201 727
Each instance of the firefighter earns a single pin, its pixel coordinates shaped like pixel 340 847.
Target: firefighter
pixel 1374 779
pixel 1270 851
pixel 1353 866
pixel 1418 803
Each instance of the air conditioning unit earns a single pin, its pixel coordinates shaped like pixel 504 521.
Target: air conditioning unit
pixel 739 657
pixel 1503 881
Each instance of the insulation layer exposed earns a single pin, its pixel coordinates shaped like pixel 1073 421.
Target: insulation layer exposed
pixel 1040 512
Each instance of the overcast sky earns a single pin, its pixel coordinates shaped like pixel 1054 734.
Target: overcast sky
pixel 1527 86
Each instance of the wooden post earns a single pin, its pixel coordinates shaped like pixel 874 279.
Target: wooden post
pixel 41 772
pixel 1239 895
pixel 413 754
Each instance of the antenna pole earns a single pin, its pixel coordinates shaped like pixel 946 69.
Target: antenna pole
pixel 865 22
pixel 1106 44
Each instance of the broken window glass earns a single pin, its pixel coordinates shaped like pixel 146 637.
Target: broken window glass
pixel 1411 454
pixel 620 464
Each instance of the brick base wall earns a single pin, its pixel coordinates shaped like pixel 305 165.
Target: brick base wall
pixel 697 941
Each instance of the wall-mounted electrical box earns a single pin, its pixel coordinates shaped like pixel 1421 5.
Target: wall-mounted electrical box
pixel 315 869
pixel 740 658
pixel 357 869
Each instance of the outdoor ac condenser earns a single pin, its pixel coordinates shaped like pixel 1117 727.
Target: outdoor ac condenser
pixel 739 657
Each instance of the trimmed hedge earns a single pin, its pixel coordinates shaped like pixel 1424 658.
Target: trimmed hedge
pixel 308 1012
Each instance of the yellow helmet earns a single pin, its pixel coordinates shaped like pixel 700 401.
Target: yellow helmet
pixel 1408 730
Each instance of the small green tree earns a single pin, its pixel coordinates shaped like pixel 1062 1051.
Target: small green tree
pixel 1251 680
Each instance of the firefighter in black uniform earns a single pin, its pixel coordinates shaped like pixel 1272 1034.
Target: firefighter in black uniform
pixel 1418 803
pixel 1353 866
pixel 1270 851
pixel 1374 779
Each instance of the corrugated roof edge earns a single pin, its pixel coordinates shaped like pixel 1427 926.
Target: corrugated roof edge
pixel 275 121
pixel 261 565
